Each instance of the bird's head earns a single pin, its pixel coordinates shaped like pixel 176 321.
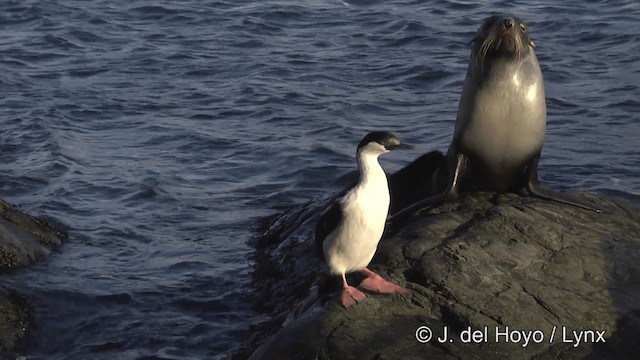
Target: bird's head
pixel 380 142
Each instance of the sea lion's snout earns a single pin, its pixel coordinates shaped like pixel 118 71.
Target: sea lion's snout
pixel 501 36
pixel 507 28
pixel 508 24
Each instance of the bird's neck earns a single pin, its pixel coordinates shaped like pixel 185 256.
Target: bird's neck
pixel 370 170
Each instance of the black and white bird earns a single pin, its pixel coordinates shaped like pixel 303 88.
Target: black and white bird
pixel 349 230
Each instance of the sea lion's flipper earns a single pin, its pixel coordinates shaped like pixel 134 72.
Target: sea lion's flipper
pixel 450 193
pixel 535 188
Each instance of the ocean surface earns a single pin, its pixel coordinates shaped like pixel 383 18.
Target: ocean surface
pixel 161 132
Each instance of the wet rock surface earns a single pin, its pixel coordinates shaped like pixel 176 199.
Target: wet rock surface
pixel 505 263
pixel 15 318
pixel 24 239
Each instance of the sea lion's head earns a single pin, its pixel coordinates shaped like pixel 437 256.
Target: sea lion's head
pixel 501 36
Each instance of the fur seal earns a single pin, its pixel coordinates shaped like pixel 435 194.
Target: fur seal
pixel 500 126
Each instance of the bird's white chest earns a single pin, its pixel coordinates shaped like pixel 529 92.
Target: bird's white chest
pixel 354 242
pixel 368 210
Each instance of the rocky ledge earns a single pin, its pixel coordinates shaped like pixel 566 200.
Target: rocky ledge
pixel 24 239
pixel 506 276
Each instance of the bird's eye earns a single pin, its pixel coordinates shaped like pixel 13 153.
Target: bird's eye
pixel 524 28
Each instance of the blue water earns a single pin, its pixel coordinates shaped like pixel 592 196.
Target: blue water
pixel 160 132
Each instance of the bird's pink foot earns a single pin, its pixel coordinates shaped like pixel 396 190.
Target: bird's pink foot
pixel 351 295
pixel 376 283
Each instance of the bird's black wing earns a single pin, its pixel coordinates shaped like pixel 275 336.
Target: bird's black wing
pixel 328 221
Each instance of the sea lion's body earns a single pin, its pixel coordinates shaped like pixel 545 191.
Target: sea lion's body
pixel 500 126
pixel 502 113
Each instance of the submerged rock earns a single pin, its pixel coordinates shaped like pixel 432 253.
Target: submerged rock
pixel 24 239
pixel 506 276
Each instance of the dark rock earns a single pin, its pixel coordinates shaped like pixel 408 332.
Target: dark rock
pixel 412 182
pixel 24 239
pixel 481 261
pixel 15 317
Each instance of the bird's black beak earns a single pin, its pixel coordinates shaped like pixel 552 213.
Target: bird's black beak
pixel 402 147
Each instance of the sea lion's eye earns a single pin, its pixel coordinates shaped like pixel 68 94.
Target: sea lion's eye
pixel 524 28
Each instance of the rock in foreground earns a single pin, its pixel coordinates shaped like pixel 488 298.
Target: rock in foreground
pixel 23 240
pixel 507 263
